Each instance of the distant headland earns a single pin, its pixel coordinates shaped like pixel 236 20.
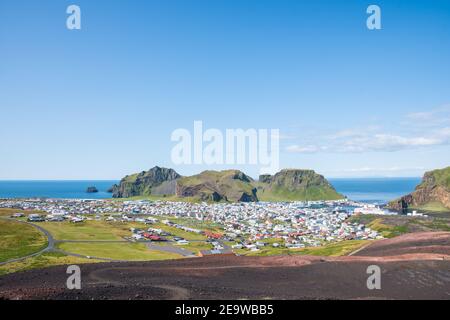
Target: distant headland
pixel 227 185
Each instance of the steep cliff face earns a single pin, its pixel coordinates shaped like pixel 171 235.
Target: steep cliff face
pixel 156 181
pixel 432 192
pixel 295 184
pixel 228 185
pixel 265 178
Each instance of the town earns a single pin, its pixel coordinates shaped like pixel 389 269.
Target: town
pixel 245 226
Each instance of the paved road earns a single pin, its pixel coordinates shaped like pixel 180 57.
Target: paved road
pixel 171 249
pixel 50 241
pixel 92 241
pixel 51 246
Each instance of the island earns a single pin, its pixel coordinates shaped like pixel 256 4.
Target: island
pixel 91 190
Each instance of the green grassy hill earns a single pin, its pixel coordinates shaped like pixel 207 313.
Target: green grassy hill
pixel 296 185
pixel 18 240
pixel 156 181
pixel 432 194
pixel 227 185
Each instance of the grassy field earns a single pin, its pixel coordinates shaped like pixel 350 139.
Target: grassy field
pixel 392 226
pixel 89 230
pixel 104 230
pixel 342 248
pixel 197 224
pixel 263 252
pixel 433 207
pixel 19 240
pixel 178 232
pixel 312 193
pixel 117 251
pixel 9 212
pixel 196 247
pixel 387 231
pixel 333 249
pixel 44 260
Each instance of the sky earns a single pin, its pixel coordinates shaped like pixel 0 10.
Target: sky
pixel 103 101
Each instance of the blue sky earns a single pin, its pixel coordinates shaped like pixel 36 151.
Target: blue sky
pixel 102 102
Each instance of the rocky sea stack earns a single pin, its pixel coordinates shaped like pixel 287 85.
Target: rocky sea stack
pixel 433 193
pixel 91 190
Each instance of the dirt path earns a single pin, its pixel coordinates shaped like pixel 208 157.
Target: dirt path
pixel 360 249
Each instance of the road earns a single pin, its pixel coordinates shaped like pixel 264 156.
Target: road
pixel 171 249
pixel 51 246
pixel 50 242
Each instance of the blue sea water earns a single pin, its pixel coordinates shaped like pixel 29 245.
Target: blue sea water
pixel 55 189
pixel 373 190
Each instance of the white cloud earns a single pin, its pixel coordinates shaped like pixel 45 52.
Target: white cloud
pixel 433 118
pixel 373 139
pixel 306 149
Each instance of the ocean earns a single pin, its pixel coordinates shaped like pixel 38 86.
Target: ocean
pixel 371 190
pixel 375 190
pixel 56 189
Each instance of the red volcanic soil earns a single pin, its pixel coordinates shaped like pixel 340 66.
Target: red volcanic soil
pixel 413 243
pixel 414 266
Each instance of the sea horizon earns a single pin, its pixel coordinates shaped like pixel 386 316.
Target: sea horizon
pixel 377 190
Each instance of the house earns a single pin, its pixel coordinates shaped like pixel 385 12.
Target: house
pixel 157 231
pixel 35 218
pixel 17 215
pixel 150 220
pixel 213 235
pixel 56 219
pixel 146 235
pixel 154 237
pixel 137 236
pixel 76 220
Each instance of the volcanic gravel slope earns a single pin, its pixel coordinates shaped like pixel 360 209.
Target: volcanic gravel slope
pixel 425 242
pixel 414 266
